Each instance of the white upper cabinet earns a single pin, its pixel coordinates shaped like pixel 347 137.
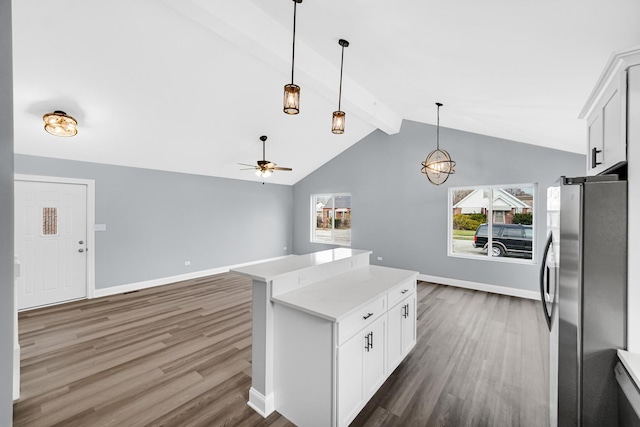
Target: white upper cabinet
pixel 606 114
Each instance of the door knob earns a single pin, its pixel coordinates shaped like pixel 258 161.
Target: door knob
pixel 81 250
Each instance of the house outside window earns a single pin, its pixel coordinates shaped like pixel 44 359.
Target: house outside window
pixel 331 219
pixel 492 222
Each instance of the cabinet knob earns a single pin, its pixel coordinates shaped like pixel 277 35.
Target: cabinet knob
pixel 405 291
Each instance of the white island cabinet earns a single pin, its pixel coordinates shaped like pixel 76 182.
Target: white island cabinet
pixel 334 340
pixel 332 343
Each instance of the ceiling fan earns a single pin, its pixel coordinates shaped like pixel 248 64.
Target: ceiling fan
pixel 264 167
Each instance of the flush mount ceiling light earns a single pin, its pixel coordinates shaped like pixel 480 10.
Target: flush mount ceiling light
pixel 438 164
pixel 292 91
pixel 60 123
pixel 337 125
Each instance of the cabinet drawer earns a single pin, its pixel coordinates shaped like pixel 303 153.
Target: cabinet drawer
pixel 360 319
pixel 398 293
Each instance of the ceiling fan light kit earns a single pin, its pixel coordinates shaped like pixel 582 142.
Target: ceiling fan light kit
pixel 292 91
pixel 59 123
pixel 264 167
pixel 438 164
pixel 337 125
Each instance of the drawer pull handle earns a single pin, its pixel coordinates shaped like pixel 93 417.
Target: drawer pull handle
pixel 405 291
pixel 367 316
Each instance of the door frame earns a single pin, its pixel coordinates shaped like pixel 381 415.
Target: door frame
pixel 91 219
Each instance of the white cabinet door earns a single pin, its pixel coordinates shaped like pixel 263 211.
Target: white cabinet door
pixel 402 331
pixel 408 325
pixel 361 369
pixel 373 357
pixel 350 379
pixel 394 337
pixel 607 127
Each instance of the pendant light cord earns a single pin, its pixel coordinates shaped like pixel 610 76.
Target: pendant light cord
pixel 438 127
pixel 341 67
pixel 293 55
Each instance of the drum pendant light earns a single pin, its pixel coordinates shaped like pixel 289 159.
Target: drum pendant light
pixel 438 164
pixel 337 125
pixel 292 91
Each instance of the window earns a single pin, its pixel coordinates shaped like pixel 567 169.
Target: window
pixel 331 219
pixel 492 222
pixel 49 221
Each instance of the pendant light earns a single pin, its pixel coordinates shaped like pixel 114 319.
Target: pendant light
pixel 438 164
pixel 292 91
pixel 337 125
pixel 60 123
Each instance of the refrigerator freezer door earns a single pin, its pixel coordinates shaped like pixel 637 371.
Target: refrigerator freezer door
pixel 604 292
pixel 592 289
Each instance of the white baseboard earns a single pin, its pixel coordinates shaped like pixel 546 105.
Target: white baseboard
pixel 130 287
pixel 264 405
pixel 503 290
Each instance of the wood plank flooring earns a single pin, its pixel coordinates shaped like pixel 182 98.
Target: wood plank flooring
pixel 180 355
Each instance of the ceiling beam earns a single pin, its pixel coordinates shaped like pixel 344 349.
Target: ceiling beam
pixel 247 26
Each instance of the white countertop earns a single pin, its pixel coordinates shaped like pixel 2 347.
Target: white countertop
pixel 271 270
pixel 631 361
pixel 337 297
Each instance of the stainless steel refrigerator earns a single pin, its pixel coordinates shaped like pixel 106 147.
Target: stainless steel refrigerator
pixel 583 282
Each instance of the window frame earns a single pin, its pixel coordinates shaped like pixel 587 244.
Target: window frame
pixel 490 234
pixel 313 220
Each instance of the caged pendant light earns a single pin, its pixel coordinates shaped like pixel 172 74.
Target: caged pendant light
pixel 337 125
pixel 292 91
pixel 438 164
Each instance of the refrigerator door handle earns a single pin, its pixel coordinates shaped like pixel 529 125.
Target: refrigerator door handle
pixel 544 282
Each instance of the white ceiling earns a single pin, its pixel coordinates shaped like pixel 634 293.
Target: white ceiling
pixel 190 85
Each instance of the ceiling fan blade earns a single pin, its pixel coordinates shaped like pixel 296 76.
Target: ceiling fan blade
pixel 281 169
pixel 248 169
pixel 244 164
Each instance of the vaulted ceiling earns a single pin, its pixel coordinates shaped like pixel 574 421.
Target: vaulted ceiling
pixel 190 85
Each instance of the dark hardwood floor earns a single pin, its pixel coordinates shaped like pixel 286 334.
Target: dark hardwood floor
pixel 180 355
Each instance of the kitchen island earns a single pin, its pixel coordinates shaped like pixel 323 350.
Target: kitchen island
pixel 328 329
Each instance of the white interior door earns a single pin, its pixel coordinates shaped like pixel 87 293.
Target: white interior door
pixel 50 242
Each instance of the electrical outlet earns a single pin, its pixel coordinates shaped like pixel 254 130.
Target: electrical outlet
pixel 379 258
pixel 187 263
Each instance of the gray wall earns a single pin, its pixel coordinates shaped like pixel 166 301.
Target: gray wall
pixel 158 220
pixel 6 217
pixel 399 215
